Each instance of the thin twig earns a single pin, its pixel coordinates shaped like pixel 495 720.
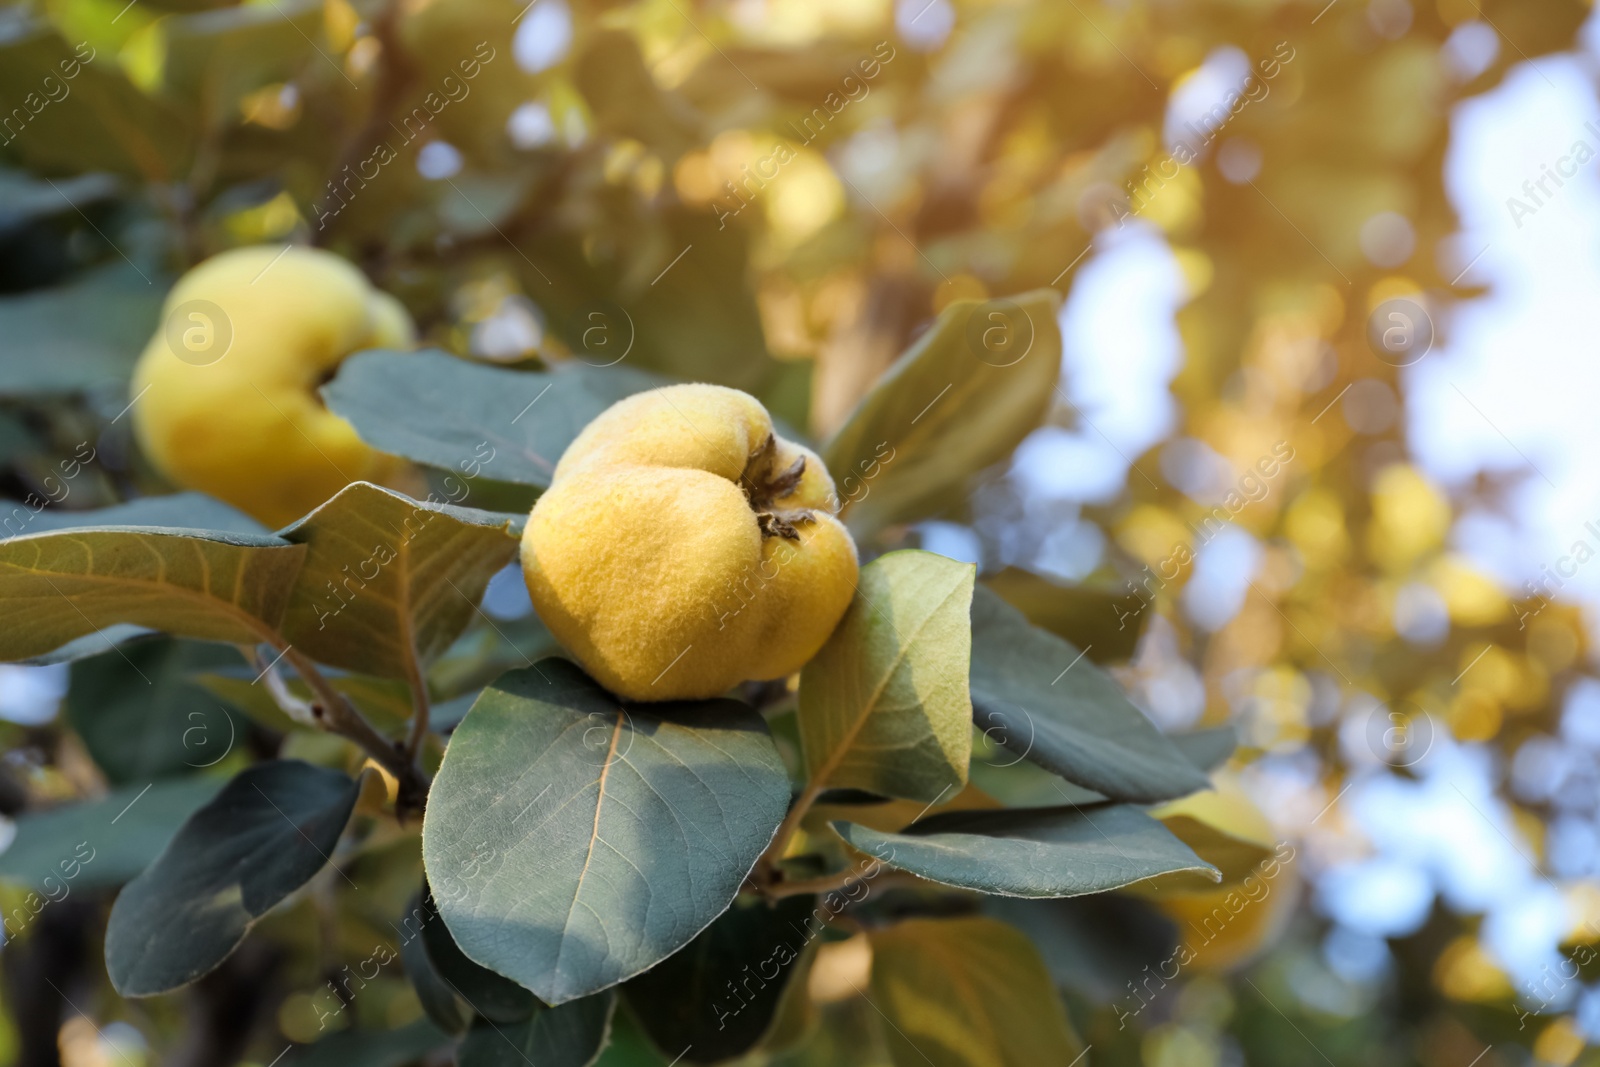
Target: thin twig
pixel 339 716
pixel 767 864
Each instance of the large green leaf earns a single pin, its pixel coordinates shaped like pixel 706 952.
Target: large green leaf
pixel 387 578
pixel 572 841
pixel 968 992
pixel 1039 697
pixel 82 334
pixel 103 123
pixel 1094 945
pixel 264 836
pixel 1106 625
pixel 209 584
pixel 884 705
pixel 491 996
pixel 180 511
pixel 474 419
pixel 961 398
pixel 439 1001
pixel 1032 852
pixel 718 997
pixel 112 839
pixel 140 715
pixel 571 1035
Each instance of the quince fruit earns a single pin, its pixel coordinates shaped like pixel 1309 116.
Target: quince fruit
pixel 683 547
pixel 226 390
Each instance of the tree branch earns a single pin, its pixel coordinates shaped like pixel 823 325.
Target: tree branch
pixel 338 715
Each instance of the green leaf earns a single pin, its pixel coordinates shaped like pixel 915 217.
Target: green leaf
pixel 667 286
pixel 719 996
pixel 968 992
pixel 213 585
pixel 142 717
pixel 1093 945
pixel 86 333
pixel 1234 856
pixel 220 56
pixel 1207 749
pixel 573 841
pixel 571 1035
pixel 119 835
pixel 387 578
pixel 481 421
pixel 372 1048
pixel 1105 624
pixel 961 398
pixel 106 123
pixel 491 996
pixel 264 836
pixel 24 198
pixel 1039 697
pixel 626 100
pixel 185 512
pixel 438 999
pixel 1032 852
pixel 89 645
pixel 884 705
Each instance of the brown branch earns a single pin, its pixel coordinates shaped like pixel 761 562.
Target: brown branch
pixel 337 715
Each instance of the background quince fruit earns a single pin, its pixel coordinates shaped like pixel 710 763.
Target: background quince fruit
pixel 227 388
pixel 683 547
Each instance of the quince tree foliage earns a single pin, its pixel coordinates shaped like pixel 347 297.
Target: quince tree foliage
pixel 738 726
pixel 322 778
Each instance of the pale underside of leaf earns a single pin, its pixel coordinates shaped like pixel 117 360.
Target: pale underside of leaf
pixel 1033 852
pixel 388 580
pixel 971 992
pixel 58 587
pixel 883 706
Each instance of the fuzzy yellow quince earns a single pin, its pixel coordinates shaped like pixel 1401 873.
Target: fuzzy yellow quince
pixel 226 390
pixel 683 547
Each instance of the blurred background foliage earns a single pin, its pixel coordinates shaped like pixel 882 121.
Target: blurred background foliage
pixel 779 195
